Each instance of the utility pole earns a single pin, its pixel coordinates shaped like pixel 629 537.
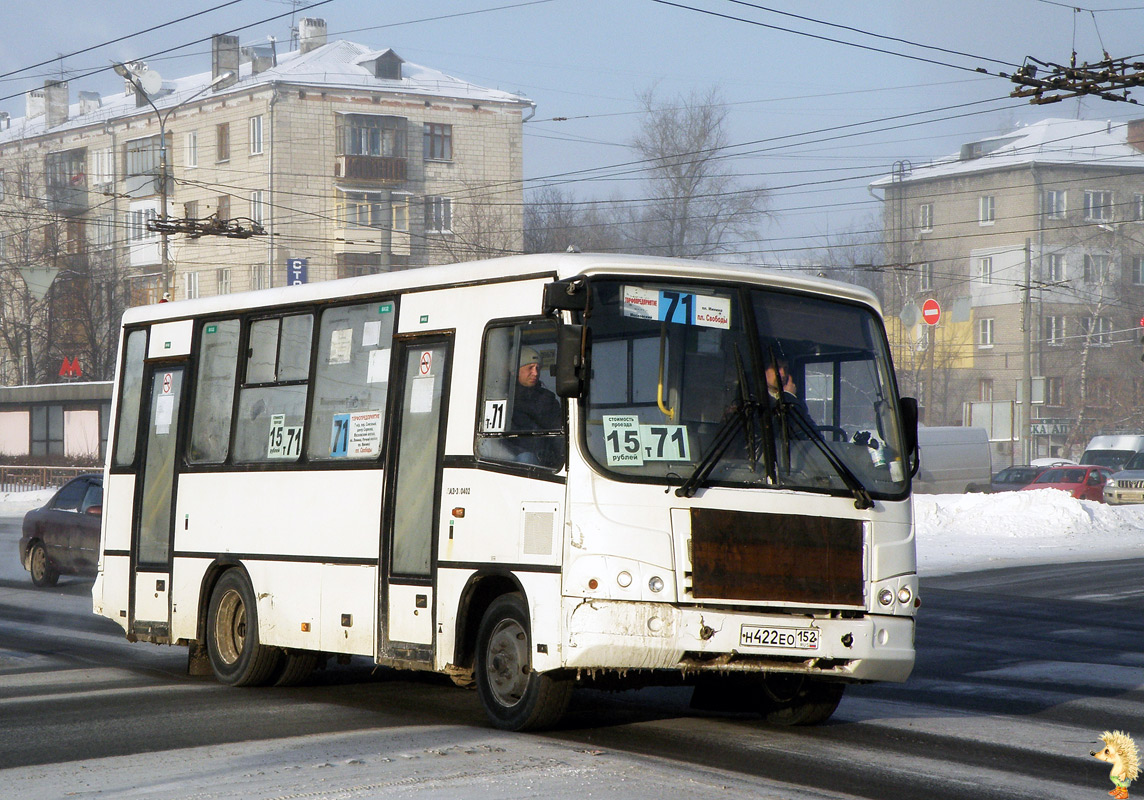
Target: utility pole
pixel 1027 323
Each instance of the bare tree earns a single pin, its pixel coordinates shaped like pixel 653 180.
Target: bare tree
pixel 695 206
pixel 555 221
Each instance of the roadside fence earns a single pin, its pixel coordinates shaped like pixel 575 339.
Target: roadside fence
pixel 26 479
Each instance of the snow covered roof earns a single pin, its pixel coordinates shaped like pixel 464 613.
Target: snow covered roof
pixel 1062 142
pixel 337 65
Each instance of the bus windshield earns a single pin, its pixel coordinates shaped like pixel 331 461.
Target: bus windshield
pixel 751 387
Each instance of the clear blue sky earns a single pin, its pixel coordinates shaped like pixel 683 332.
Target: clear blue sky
pixel 586 60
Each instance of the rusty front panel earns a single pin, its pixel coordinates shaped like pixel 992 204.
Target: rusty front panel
pixel 737 555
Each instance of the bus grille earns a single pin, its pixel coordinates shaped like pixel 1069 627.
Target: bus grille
pixel 738 555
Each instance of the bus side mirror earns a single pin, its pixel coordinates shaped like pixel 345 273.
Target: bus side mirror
pixel 909 410
pixel 566 295
pixel 571 359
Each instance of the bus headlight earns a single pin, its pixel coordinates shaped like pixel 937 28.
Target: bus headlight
pixel 624 579
pixel 655 584
pixel 905 595
pixel 886 597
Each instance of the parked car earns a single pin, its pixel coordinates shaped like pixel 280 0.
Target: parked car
pixel 62 538
pixel 1084 482
pixel 1127 486
pixel 1011 479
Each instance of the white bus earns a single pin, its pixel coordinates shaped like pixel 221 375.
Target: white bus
pixel 529 474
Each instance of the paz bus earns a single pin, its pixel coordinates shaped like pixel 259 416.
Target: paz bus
pixel 529 474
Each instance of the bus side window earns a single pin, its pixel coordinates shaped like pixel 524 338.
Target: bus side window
pixel 522 420
pixel 351 381
pixel 272 401
pixel 130 398
pixel 214 392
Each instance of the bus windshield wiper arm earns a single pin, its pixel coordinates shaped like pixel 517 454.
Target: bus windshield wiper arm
pixel 723 438
pixel 861 495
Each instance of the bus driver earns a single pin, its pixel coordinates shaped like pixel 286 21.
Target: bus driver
pixel 534 408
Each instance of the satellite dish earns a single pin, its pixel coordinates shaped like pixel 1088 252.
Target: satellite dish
pixel 151 81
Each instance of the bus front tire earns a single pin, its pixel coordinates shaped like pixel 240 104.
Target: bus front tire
pixel 514 696
pixel 798 699
pixel 237 657
pixel 40 567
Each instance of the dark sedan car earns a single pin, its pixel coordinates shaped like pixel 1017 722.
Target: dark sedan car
pixel 62 538
pixel 1011 479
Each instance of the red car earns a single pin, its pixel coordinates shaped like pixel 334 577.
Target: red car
pixel 1084 482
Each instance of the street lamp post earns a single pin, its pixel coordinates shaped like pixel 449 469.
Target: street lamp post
pixel 156 83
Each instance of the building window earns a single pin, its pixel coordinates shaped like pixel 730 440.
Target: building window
pixel 222 210
pixel 438 215
pixel 223 276
pixel 1054 392
pixel 400 206
pixel 1096 268
pixel 1053 330
pixel 985 390
pixel 256 135
pixel 1097 330
pixel 191 150
pixel 986 210
pixel 925 276
pixel 362 209
pixel 985 269
pixel 1055 204
pixel 137 224
pixel 1097 206
pixel 985 332
pixel 190 285
pixel 191 209
pixel 1138 207
pixel 102 167
pixel 222 142
pixel 371 135
pixel 256 207
pixel 438 142
pixel 1138 270
pixel 260 276
pixel 925 216
pixel 103 232
pixel 142 157
pixel 1 185
pixel 1054 267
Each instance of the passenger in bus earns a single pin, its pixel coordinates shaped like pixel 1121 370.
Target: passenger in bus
pixel 535 408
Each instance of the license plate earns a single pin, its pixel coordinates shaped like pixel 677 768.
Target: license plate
pixel 791 638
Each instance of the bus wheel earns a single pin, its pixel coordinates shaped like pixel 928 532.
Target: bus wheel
pixel 296 666
pixel 515 698
pixel 798 699
pixel 40 567
pixel 237 657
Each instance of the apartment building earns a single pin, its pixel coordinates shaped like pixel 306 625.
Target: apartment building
pixel 1032 244
pixel 333 160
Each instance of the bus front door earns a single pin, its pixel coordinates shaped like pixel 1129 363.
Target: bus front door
pixel 413 489
pixel 154 506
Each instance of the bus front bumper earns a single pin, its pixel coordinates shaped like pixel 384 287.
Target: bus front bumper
pixel 606 634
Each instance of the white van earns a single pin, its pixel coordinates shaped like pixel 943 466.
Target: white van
pixel 953 460
pixel 1112 451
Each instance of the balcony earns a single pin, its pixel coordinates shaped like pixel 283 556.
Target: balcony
pixel 370 169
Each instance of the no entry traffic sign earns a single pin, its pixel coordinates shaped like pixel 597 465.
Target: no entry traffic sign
pixel 931 312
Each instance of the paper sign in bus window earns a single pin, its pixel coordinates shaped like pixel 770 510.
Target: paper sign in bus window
pixel 285 441
pixel 378 370
pixel 341 345
pixel 680 308
pixel 628 443
pixel 493 421
pixel 371 333
pixel 356 435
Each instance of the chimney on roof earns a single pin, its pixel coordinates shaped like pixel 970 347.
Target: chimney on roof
pixel 1136 134
pixel 89 102
pixel 34 104
pixel 5 120
pixel 224 58
pixel 261 57
pixel 56 102
pixel 311 33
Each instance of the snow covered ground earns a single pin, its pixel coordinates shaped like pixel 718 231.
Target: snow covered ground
pixel 955 533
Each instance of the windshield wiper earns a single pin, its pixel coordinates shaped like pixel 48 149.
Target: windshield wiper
pixel 862 499
pixel 745 417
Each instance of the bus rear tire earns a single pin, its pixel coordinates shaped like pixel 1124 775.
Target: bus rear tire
pixel 296 666
pixel 514 696
pixel 40 567
pixel 798 699
pixel 237 657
